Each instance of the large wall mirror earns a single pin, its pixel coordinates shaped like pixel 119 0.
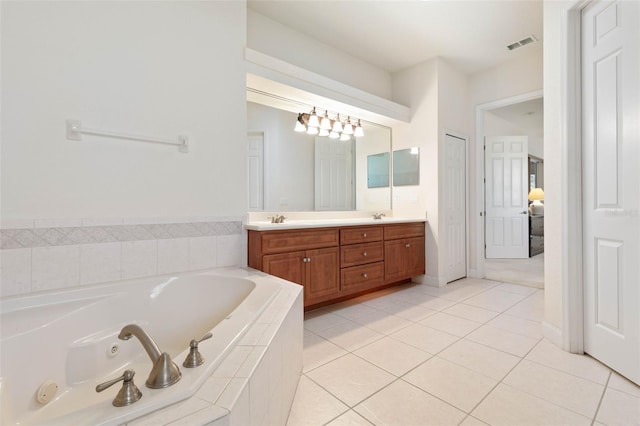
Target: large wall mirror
pixel 291 171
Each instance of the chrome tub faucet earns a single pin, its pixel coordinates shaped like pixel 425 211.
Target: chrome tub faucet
pixel 164 372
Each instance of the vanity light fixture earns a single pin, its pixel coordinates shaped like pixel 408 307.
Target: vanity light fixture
pixel 323 125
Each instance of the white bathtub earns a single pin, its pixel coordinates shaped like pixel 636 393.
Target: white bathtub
pixel 68 337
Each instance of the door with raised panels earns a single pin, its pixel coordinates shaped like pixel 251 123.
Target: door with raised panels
pixel 611 183
pixel 506 183
pixel 456 207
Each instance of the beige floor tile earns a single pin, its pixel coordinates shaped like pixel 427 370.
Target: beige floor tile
pixel 318 351
pixel 620 383
pixel 517 325
pixel 619 408
pixel 383 322
pixel 350 335
pixel 457 292
pixel 472 421
pixel 509 406
pixel 479 358
pixel 458 386
pixel 402 309
pixel 350 418
pixel 450 324
pixel 506 341
pixel 351 379
pixel 392 355
pixel 430 302
pixel 515 288
pixel 472 313
pixel 495 300
pixel 354 312
pixel 529 271
pixel 531 308
pixel 403 404
pixel 321 320
pixel 313 405
pixel 425 338
pixel 571 392
pixel 546 353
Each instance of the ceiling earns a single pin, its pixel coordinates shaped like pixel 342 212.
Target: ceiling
pixel 472 35
pixel 526 115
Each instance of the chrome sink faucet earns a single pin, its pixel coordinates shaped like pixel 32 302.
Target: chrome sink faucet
pixel 378 216
pixel 164 372
pixel 277 218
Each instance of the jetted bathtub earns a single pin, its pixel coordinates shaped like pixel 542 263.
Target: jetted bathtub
pixel 70 338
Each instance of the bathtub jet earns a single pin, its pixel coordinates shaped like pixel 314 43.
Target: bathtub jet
pixel 164 372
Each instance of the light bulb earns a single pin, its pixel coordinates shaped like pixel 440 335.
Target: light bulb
pixel 312 130
pixel 344 137
pixel 337 125
pixel 348 128
pixel 323 132
pixel 358 132
pixel 300 127
pixel 334 135
pixel 313 119
pixel 325 123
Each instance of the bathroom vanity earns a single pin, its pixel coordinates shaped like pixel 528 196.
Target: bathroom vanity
pixel 334 263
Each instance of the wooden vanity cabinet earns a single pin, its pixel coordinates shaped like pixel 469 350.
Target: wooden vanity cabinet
pixel 404 251
pixel 336 263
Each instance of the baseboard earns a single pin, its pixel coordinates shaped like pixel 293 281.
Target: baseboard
pixel 553 334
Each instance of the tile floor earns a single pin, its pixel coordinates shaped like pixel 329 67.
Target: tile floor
pixel 471 353
pixel 529 272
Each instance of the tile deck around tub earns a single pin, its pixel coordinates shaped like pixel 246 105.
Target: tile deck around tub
pixel 471 353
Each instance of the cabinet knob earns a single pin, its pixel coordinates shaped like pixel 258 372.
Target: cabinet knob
pixel 407 245
pixel 306 259
pixel 364 235
pixel 365 276
pixel 365 254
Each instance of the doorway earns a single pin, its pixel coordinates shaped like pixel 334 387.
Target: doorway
pixel 456 206
pixel 517 263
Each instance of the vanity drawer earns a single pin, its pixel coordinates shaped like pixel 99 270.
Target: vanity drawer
pixel 358 254
pixel 285 241
pixel 360 234
pixel 404 230
pixel 362 277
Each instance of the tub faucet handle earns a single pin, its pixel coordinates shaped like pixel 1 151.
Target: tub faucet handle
pixel 129 392
pixel 194 358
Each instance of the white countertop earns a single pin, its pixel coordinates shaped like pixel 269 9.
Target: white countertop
pixel 323 223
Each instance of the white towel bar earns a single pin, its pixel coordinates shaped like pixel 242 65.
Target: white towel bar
pixel 75 131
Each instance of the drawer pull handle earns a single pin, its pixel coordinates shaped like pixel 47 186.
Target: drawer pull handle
pixel 407 245
pixel 364 235
pixel 365 276
pixel 364 254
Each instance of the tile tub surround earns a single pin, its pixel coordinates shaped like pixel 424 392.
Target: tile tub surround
pixel 473 354
pixel 256 383
pixel 51 254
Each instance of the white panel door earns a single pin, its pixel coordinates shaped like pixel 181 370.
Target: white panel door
pixel 611 183
pixel 334 189
pixel 456 207
pixel 255 170
pixel 506 183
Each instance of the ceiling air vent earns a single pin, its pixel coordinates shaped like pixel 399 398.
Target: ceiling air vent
pixel 523 42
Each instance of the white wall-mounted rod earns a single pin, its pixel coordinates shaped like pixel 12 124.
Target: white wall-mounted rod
pixel 75 132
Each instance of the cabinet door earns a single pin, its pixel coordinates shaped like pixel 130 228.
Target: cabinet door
pixel 403 258
pixel 290 266
pixel 415 261
pixel 323 280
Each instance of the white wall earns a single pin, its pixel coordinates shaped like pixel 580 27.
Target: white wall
pixel 417 87
pixel 498 126
pixel 513 78
pixel 274 39
pixel 289 159
pixel 149 68
pixel 104 209
pixel 556 165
